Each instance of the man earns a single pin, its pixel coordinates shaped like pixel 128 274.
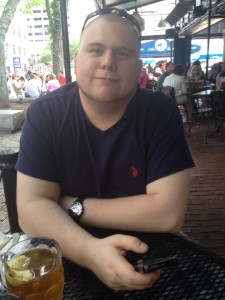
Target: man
pixel 33 87
pixel 169 70
pixel 39 81
pixel 120 149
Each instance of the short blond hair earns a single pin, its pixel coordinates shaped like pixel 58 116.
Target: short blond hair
pixel 52 76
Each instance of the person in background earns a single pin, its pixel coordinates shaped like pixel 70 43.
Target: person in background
pixel 27 75
pixel 144 78
pixel 195 81
pixel 177 81
pixel 157 73
pixel 169 70
pixel 39 80
pixel 17 86
pixel 215 71
pixel 196 75
pixel 108 147
pixel 53 83
pixel 33 87
pixel 61 78
pixel 22 81
pixel 195 63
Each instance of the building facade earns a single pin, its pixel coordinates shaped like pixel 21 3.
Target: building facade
pixel 37 33
pixel 16 44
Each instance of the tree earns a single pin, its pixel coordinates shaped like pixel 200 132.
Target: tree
pixel 53 12
pixel 55 30
pixel 8 8
pixel 8 12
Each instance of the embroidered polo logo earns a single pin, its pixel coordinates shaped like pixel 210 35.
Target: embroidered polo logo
pixel 134 171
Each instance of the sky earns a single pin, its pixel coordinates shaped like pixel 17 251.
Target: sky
pixel 77 12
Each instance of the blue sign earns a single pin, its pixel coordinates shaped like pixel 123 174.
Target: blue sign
pixel 16 63
pixel 160 48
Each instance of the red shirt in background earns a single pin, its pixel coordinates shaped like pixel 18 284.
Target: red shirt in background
pixel 143 80
pixel 62 80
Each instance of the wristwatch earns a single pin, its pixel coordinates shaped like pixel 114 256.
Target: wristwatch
pixel 76 209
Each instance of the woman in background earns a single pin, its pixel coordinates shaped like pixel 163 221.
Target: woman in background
pixel 215 71
pixel 53 83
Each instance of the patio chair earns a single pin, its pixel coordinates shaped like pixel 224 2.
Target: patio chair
pixel 169 91
pixel 199 112
pixel 218 115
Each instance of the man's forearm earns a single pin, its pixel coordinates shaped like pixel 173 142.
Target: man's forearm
pixel 49 220
pixel 138 213
pixel 161 209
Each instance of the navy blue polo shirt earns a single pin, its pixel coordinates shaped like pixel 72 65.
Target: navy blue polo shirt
pixel 59 144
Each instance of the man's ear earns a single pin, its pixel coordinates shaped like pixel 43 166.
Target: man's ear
pixel 75 60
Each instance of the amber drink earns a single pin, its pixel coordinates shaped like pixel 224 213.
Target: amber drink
pixel 34 270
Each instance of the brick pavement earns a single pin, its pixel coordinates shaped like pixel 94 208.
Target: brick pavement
pixel 205 218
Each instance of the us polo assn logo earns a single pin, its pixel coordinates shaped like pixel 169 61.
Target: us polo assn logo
pixel 134 171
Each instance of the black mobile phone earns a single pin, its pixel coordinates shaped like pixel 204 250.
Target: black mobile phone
pixel 149 264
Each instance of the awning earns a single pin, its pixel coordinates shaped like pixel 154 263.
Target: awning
pixel 179 11
pixel 124 4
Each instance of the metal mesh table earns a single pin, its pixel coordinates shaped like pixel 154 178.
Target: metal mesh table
pixel 199 274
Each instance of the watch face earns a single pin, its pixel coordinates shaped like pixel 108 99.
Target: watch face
pixel 77 208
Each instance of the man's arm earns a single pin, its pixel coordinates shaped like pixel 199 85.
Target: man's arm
pixel 161 209
pixel 41 215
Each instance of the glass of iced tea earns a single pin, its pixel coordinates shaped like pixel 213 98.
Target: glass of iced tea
pixel 33 269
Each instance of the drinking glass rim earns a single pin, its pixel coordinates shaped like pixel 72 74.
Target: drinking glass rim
pixel 113 10
pixel 57 254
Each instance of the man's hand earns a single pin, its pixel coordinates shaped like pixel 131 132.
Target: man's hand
pixel 111 267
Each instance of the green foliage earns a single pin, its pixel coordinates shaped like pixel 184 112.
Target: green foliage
pixel 74 45
pixel 27 5
pixel 46 56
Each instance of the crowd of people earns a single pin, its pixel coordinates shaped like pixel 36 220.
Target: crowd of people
pixel 182 81
pixel 33 84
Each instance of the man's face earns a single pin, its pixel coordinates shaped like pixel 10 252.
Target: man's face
pixel 107 67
